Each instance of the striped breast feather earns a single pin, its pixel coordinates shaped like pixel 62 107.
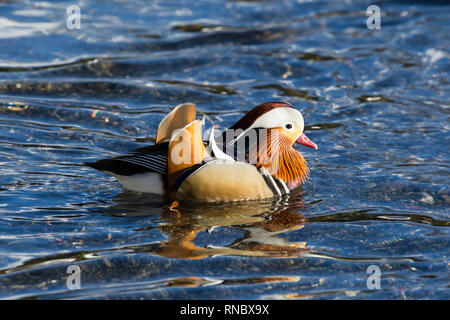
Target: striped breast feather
pixel 142 160
pixel 278 186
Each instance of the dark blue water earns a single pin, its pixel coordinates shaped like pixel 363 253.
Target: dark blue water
pixel 375 101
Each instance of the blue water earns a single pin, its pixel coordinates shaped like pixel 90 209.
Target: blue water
pixel 375 101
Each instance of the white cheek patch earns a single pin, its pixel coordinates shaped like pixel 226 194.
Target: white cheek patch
pixel 276 118
pixel 279 117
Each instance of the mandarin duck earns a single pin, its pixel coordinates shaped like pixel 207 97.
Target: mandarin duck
pixel 253 159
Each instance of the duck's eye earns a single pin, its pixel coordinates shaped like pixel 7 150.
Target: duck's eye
pixel 289 126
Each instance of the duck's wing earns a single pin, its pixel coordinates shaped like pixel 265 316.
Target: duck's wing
pixel 155 158
pixel 151 158
pixel 178 118
pixel 186 148
pixel 147 159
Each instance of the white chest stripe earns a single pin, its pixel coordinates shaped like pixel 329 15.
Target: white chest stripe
pixel 286 189
pixel 274 185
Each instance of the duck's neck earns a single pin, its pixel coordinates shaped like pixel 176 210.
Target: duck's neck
pixel 280 159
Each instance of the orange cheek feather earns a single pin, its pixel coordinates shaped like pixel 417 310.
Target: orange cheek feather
pixel 276 154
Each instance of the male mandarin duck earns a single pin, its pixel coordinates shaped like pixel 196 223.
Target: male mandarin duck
pixel 254 160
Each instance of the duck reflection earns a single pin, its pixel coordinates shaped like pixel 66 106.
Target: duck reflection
pixel 262 223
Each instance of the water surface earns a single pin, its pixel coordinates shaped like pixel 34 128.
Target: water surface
pixel 375 101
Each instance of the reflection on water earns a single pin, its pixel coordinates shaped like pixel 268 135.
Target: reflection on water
pixel 375 101
pixel 260 225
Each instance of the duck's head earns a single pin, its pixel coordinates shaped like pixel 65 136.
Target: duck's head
pixel 284 126
pixel 276 115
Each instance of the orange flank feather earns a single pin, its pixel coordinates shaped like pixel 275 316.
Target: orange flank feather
pixel 275 153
